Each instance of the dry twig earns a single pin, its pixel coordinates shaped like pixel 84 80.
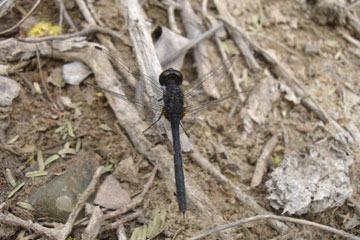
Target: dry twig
pixel 350 39
pixel 105 41
pixel 61 16
pixel 92 229
pixel 122 220
pixel 93 12
pixel 242 44
pixel 211 23
pixel 261 164
pixel 190 45
pixel 43 80
pixel 23 19
pixel 85 32
pixel 171 16
pixel 279 218
pixel 66 15
pixel 201 58
pixel 5 148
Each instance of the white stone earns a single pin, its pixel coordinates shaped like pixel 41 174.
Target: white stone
pixel 9 89
pixel 74 73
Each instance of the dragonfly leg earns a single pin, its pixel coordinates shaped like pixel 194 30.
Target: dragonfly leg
pixel 152 124
pixel 182 126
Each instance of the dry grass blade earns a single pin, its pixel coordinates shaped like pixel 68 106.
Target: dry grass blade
pixel 16 189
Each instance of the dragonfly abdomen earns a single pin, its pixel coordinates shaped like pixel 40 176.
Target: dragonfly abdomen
pixel 179 174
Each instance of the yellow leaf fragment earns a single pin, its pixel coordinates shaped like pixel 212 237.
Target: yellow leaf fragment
pixel 43 29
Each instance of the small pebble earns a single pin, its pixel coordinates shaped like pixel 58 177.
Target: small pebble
pixel 74 73
pixel 294 23
pixel 9 89
pixel 311 49
pixel 66 101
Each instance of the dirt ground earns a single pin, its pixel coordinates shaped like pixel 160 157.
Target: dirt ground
pixel 327 73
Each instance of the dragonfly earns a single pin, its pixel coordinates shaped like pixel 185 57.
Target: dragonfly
pixel 172 106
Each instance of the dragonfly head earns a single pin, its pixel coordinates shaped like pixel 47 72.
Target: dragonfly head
pixel 170 75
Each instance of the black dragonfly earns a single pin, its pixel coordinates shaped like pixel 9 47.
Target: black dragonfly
pixel 172 107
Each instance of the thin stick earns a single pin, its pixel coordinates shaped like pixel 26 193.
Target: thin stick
pixel 121 221
pixel 350 39
pixel 30 237
pixel 257 34
pixel 86 12
pixel 61 17
pixel 210 23
pixel 11 219
pixel 233 109
pixel 92 229
pixel 171 16
pixel 200 54
pixel 23 19
pixel 240 41
pixel 66 15
pixel 17 67
pixel 10 150
pixel 85 32
pixel 279 218
pixel 191 44
pixel 43 80
pixel 32 88
pixel 105 41
pixel 261 164
pixel 93 12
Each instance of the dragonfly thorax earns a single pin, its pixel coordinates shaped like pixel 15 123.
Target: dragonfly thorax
pixel 174 101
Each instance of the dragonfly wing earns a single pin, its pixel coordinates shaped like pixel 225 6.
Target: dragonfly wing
pixel 136 102
pixel 193 110
pixel 218 73
pixel 126 70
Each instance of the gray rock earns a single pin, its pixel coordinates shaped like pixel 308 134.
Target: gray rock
pixel 9 89
pixel 74 73
pixel 314 181
pixel 57 198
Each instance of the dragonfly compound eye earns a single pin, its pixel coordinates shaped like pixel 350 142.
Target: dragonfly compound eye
pixel 170 74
